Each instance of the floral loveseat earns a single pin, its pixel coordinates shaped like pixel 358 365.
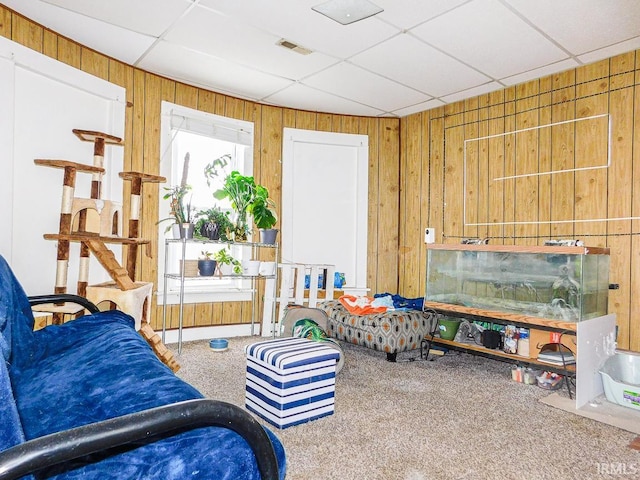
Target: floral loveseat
pixel 90 400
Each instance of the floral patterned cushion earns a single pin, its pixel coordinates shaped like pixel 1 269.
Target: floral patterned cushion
pixel 391 332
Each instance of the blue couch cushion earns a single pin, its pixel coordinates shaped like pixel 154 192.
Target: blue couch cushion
pixel 10 429
pixel 16 319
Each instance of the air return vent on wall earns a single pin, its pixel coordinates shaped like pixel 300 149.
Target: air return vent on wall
pixel 293 46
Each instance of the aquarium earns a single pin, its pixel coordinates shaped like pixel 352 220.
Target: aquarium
pixel 555 282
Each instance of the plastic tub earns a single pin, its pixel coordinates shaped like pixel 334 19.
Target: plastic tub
pixel 621 379
pixel 448 328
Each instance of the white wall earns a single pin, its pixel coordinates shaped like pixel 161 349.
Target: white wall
pixel 44 100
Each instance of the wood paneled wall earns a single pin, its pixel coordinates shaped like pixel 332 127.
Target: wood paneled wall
pixel 529 209
pixel 416 167
pixel 145 91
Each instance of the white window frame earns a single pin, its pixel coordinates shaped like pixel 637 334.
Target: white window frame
pixel 238 131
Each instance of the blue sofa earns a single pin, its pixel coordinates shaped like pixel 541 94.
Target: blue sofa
pixel 89 399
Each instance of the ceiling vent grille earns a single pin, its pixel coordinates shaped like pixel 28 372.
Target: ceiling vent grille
pixel 294 46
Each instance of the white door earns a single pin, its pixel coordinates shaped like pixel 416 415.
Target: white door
pixel 324 201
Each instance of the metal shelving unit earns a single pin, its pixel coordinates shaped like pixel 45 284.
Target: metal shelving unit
pixel 180 276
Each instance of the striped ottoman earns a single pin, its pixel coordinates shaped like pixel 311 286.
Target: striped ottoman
pixel 290 380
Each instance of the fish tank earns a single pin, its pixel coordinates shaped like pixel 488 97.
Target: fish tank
pixel 564 283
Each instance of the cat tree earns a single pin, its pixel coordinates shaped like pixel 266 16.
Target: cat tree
pixel 96 223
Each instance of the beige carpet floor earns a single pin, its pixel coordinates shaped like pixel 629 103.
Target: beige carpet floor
pixel 458 417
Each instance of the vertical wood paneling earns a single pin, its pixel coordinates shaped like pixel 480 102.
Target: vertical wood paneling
pixel 544 158
pixel 49 43
pixel 454 193
pixel 484 179
pixel 94 63
pixel 149 162
pixel 470 171
pixel 562 155
pixel 509 165
pixel 609 86
pixel 5 23
pixel 423 154
pixel 373 245
pixel 436 172
pixel 411 181
pixel 496 168
pixel 425 195
pixel 526 163
pixel 388 208
pixel 26 33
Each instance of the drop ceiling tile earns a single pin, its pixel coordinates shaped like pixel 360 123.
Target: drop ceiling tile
pixel 113 41
pixel 487 35
pixel 218 35
pixel 541 72
pixel 295 21
pixel 581 26
pixel 349 81
pixel 209 72
pixel 411 62
pixel 150 17
pixel 617 49
pixel 406 14
pixel 420 107
pixel 307 98
pixel 472 92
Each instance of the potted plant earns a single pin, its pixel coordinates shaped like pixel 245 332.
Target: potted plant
pixel 227 265
pixel 262 209
pixel 180 208
pixel 239 189
pixel 214 224
pixel 181 211
pixel 206 264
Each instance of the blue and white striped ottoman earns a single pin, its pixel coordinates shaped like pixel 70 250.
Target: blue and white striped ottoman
pixel 290 380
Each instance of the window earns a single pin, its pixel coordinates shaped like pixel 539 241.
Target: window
pixel 197 138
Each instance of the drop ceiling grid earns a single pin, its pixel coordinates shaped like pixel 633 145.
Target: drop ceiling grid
pixel 486 34
pixel 413 63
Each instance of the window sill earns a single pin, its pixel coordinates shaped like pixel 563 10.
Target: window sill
pixel 195 296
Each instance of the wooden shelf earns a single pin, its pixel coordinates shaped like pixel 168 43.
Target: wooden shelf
pixel 499 354
pixel 80 167
pixel 504 317
pixel 87 236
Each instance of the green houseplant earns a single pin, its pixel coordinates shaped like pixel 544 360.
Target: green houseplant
pixel 214 224
pixel 180 209
pixel 264 216
pixel 246 198
pixel 224 258
pixel 239 189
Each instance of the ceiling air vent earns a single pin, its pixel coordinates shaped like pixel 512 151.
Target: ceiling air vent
pixel 293 46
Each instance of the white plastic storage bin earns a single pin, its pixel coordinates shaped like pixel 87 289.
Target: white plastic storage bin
pixel 621 379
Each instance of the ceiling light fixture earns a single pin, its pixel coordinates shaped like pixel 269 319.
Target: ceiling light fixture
pixel 347 11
